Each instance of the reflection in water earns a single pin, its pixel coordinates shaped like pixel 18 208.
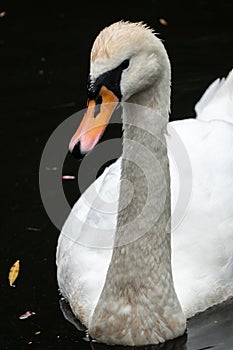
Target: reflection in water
pixel 210 329
pixel 177 344
pixel 69 316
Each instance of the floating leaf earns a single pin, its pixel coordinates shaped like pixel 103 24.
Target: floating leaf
pixel 37 333
pixel 26 315
pixel 68 177
pixel 33 229
pixel 53 168
pixel 163 21
pixel 13 274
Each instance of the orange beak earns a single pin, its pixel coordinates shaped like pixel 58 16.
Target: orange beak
pixel 93 126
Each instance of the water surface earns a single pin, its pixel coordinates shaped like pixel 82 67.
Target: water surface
pixel 44 53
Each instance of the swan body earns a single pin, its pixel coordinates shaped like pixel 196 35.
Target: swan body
pixel 201 240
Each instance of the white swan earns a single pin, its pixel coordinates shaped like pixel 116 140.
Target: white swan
pixel 125 295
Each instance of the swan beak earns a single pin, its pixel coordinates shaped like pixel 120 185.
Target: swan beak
pixel 94 123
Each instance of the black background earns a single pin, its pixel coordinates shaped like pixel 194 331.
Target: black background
pixel 44 63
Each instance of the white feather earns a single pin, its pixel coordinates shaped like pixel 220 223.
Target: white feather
pixel 216 102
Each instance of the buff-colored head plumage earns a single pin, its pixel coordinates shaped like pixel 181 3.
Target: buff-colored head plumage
pixel 124 32
pixel 148 61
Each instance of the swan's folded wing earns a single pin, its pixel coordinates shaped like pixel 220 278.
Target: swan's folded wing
pixel 217 100
pixel 85 243
pixel 92 220
pixel 202 243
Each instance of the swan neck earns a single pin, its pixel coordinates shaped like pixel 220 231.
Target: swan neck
pixel 156 96
pixel 140 270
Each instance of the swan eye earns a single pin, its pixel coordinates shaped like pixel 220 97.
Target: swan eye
pixel 125 64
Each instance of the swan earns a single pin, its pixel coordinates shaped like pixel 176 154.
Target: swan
pixel 130 274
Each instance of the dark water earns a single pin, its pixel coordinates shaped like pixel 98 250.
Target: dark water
pixel 44 53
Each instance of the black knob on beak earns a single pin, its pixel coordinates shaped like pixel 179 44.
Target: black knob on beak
pixel 76 151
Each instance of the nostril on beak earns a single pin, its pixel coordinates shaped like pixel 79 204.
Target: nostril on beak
pixel 76 151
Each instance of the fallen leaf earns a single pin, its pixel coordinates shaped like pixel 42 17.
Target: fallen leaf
pixel 26 315
pixel 68 177
pixel 163 22
pixel 33 229
pixel 13 274
pixel 37 333
pixel 53 168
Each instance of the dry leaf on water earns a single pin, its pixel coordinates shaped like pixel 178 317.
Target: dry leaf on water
pixel 163 21
pixel 26 315
pixel 32 229
pixel 13 274
pixel 68 177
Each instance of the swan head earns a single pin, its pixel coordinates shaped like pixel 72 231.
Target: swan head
pixel 128 63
